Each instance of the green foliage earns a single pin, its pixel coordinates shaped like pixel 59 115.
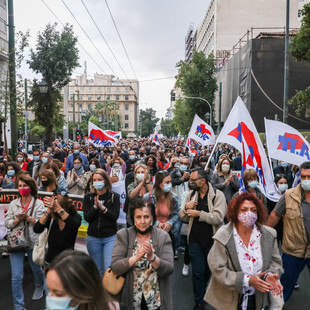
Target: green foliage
pixel 167 128
pixel 94 119
pixel 300 49
pixel 55 58
pixel 37 131
pixel 195 79
pixel 148 121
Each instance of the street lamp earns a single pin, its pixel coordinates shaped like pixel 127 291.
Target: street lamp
pixel 43 86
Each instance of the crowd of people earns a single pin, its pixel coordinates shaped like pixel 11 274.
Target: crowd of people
pixel 178 199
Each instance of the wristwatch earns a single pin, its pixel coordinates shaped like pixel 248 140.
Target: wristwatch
pixel 61 212
pixel 153 259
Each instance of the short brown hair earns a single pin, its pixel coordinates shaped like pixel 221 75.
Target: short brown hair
pixel 249 174
pixel 107 182
pixel 234 205
pixel 26 178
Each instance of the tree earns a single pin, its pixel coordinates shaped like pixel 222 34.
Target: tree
pixel 300 49
pixel 195 79
pixel 55 57
pixel 167 128
pixel 148 121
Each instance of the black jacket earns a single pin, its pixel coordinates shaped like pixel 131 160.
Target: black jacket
pixel 101 225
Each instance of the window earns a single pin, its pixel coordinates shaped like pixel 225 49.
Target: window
pixel 81 106
pixel 71 105
pixel 71 97
pixel 126 117
pixel 126 106
pixel 127 89
pixel 108 89
pixel 89 107
pixel 117 97
pixel 89 97
pixel 108 97
pixel 126 97
pixel 90 89
pixel 99 89
pixel 81 89
pixel 98 97
pixel 126 125
pixel 81 97
pixel 118 90
pixel 299 13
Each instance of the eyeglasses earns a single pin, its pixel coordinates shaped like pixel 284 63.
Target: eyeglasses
pixel 194 180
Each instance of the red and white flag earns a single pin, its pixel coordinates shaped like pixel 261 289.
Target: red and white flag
pixel 286 143
pixel 98 137
pixel 240 132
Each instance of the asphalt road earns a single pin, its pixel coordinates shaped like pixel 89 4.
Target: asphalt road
pixel 182 289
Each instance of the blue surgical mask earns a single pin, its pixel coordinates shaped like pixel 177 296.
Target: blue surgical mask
pixel 116 165
pixel 77 166
pixel 253 184
pixel 183 167
pixel 284 164
pixel 98 185
pixel 282 187
pixel 59 303
pixel 20 159
pixel 36 158
pixel 167 187
pixel 92 167
pixel 140 176
pixel 76 152
pixel 132 157
pixel 44 160
pixel 11 173
pixel 305 184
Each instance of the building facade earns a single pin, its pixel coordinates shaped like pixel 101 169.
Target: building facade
pixel 103 89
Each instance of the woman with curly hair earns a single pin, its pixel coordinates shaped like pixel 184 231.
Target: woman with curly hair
pixel 244 259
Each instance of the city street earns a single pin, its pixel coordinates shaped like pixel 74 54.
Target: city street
pixel 182 290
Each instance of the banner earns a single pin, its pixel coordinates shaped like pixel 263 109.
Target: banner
pixel 240 132
pixel 119 188
pixel 98 137
pixel 201 132
pixel 114 134
pixel 286 143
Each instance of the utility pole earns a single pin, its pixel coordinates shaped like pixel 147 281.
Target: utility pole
pixel 26 117
pixel 12 80
pixel 286 63
pixel 78 98
pixel 73 102
pixel 220 109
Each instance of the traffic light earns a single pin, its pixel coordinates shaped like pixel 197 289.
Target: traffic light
pixel 172 96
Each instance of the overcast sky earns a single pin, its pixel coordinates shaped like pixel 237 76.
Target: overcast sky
pixel 153 33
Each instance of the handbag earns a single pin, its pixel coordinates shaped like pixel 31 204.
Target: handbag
pixel 112 282
pixel 18 239
pixel 39 249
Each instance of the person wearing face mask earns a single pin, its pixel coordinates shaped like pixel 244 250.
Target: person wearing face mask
pixel 24 212
pixel 34 165
pixel 286 169
pixel 61 180
pixel 245 260
pixel 79 287
pixel 166 207
pixel 138 188
pixel 77 178
pixel 11 170
pixel 161 161
pixel 294 208
pixel 101 208
pixel 144 253
pixel 2 171
pixel 116 168
pixel 250 184
pixel 45 158
pixel 92 153
pixel 204 210
pixel 59 154
pixel 225 180
pixel 130 163
pixel 152 167
pixel 76 153
pixel 49 182
pixel 21 161
pixel 142 153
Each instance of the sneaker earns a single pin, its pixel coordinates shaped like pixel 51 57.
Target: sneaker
pixel 296 287
pixel 4 254
pixel 185 270
pixel 176 254
pixel 38 293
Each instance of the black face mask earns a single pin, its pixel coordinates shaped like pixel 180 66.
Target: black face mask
pixel 141 154
pixel 193 186
pixel 143 232
pixel 45 183
pixel 2 168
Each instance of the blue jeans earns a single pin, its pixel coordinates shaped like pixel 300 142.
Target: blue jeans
pixel 200 271
pixel 17 267
pixel 292 266
pixel 100 249
pixel 175 230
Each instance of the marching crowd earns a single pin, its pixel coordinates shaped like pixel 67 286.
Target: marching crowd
pixel 178 199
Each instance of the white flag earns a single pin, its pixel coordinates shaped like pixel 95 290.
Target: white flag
pixel 201 132
pixel 240 132
pixel 98 137
pixel 286 143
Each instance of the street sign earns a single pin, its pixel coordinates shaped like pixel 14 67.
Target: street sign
pixel 78 137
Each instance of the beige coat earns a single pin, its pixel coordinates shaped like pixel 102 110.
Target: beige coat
pixel 227 277
pixel 217 210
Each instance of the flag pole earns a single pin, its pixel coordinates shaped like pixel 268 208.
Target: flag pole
pixel 211 154
pixel 268 150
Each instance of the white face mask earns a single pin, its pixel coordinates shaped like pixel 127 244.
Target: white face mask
pixel 225 167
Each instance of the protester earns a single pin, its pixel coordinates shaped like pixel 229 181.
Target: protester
pixel 49 182
pixel 244 259
pixel 66 222
pixel 11 171
pixel 116 168
pixel 286 169
pixel 130 163
pixel 76 153
pixel 59 154
pixel 101 210
pixel 61 181
pixel 144 253
pixel 34 165
pixel 23 212
pixel 21 161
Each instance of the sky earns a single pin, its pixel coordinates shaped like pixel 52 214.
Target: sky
pixel 153 33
